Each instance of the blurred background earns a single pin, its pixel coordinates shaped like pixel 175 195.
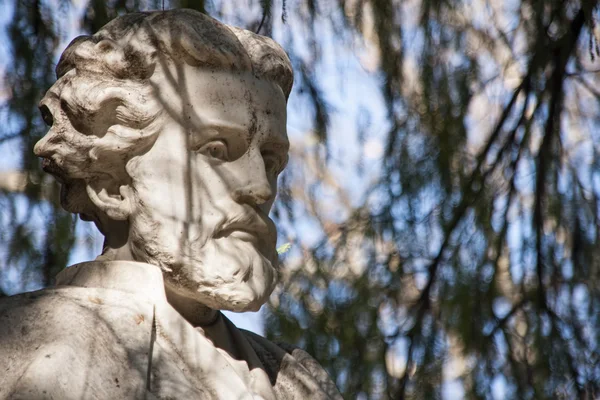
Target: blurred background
pixel 441 203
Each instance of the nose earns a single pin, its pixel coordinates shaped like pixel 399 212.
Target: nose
pixel 255 188
pixel 41 147
pixel 256 194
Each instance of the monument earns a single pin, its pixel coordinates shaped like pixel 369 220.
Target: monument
pixel 168 131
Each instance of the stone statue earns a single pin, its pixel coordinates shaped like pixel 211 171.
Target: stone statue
pixel 168 131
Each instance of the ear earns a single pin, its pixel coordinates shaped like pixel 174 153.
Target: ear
pixel 115 201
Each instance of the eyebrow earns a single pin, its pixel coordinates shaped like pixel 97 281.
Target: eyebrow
pixel 223 126
pixel 229 127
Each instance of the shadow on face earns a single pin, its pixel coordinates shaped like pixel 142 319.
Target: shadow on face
pixel 204 190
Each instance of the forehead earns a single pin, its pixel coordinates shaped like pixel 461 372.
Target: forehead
pixel 236 101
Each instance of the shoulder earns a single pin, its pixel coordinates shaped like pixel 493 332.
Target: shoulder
pixel 52 340
pixel 284 359
pixel 30 316
pixel 56 313
pixel 31 343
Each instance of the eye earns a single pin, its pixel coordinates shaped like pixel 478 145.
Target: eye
pixel 215 149
pixel 46 115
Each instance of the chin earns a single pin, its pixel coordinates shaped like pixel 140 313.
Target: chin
pixel 223 274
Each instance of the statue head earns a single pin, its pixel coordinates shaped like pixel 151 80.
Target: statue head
pixel 168 131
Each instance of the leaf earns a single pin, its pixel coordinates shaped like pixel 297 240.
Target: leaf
pixel 284 248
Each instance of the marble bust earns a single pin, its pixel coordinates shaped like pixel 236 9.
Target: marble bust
pixel 168 131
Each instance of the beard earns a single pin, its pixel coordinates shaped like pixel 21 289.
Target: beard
pixel 222 272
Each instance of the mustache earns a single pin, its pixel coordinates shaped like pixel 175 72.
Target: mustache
pixel 249 219
pixel 51 167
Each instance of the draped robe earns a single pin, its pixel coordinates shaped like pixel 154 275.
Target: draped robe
pixel 106 331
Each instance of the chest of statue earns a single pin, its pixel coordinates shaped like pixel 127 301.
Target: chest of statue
pixel 106 337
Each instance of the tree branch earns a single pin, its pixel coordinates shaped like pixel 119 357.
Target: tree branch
pixel 561 55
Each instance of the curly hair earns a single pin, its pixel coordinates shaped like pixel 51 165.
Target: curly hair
pixel 107 109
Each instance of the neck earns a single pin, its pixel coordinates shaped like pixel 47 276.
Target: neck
pixel 122 253
pixel 194 312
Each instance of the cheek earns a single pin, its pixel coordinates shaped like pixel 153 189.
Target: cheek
pixel 162 188
pixel 208 187
pixel 184 190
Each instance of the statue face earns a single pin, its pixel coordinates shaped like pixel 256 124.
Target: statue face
pixel 203 192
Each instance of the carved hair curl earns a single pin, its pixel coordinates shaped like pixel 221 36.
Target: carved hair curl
pixel 108 113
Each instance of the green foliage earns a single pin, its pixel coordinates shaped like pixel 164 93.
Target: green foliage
pixel 473 256
pixel 36 251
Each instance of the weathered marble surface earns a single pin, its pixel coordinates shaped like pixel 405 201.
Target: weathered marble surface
pixel 168 131
pixel 107 332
